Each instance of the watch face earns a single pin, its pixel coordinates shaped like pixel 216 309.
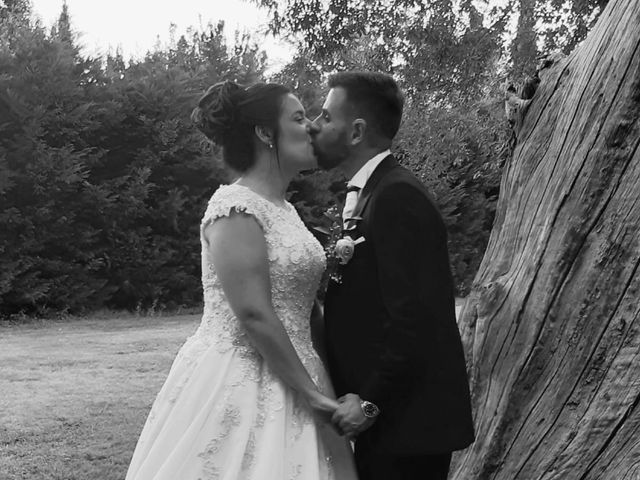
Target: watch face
pixel 369 409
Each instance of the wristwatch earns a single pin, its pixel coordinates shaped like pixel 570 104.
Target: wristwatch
pixel 370 410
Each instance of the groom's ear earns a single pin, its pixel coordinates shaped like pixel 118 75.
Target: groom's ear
pixel 265 135
pixel 358 130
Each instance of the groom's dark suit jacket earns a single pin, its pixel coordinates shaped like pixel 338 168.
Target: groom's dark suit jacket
pixel 390 326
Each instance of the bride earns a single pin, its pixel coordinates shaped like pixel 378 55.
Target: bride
pixel 247 396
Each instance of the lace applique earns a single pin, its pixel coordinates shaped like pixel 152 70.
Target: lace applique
pixel 296 262
pixel 247 460
pixel 230 420
pixel 230 198
pixel 296 470
pixel 301 418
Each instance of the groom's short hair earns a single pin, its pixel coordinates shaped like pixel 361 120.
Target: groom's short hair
pixel 375 97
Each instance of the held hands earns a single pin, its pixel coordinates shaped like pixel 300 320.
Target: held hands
pixel 349 417
pixel 345 415
pixel 322 405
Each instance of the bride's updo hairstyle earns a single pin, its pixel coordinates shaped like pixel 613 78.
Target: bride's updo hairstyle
pixel 229 112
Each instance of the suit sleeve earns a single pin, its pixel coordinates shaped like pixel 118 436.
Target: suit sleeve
pixel 404 227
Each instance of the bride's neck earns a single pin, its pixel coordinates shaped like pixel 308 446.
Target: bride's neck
pixel 266 180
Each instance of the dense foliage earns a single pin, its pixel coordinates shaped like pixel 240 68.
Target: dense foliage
pixel 103 179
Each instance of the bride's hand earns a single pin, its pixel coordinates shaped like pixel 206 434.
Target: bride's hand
pixel 322 404
pixel 324 408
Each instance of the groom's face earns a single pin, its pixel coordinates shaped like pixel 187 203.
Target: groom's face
pixel 330 132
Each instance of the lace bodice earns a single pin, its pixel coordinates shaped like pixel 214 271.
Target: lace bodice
pixel 296 261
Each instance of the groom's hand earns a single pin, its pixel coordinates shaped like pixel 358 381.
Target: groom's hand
pixel 349 416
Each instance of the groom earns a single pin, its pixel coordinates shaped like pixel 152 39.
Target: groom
pixel 392 343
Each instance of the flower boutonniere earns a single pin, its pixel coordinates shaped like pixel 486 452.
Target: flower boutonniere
pixel 345 248
pixel 340 246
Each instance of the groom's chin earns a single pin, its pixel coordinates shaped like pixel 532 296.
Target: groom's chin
pixel 327 163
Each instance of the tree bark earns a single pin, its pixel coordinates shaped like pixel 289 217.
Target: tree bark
pixel 552 326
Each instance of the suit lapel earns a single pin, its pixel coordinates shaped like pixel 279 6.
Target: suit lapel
pixel 387 164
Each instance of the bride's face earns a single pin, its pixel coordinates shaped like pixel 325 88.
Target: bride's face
pixel 295 151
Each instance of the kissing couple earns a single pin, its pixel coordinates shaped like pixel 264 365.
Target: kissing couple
pixel 381 393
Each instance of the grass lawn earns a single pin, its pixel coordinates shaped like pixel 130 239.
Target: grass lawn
pixel 74 394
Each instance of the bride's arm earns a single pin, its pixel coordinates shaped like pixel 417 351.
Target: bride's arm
pixel 239 253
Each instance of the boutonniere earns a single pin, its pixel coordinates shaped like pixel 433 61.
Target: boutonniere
pixel 345 247
pixel 340 246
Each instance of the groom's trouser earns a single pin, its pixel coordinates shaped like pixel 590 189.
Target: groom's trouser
pixel 373 465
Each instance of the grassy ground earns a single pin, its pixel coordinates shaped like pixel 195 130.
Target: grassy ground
pixel 75 394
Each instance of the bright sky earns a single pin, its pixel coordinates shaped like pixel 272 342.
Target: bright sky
pixel 134 25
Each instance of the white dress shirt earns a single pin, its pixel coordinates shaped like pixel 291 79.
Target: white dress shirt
pixel 358 181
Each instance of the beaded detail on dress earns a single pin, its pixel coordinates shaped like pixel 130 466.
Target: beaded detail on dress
pixel 296 261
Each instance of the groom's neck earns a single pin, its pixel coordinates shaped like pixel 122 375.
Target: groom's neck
pixel 358 159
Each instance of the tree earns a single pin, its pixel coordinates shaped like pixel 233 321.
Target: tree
pixel 15 15
pixel 437 48
pixel 565 23
pixel 48 244
pixel 552 325
pixel 15 8
pixel 62 30
pixel 524 48
pixel 103 177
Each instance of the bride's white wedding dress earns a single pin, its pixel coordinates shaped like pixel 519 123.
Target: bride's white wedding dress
pixel 222 413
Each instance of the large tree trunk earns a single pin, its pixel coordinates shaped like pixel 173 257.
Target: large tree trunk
pixel 552 326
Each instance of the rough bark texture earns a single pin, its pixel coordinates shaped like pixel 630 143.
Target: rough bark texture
pixel 552 326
